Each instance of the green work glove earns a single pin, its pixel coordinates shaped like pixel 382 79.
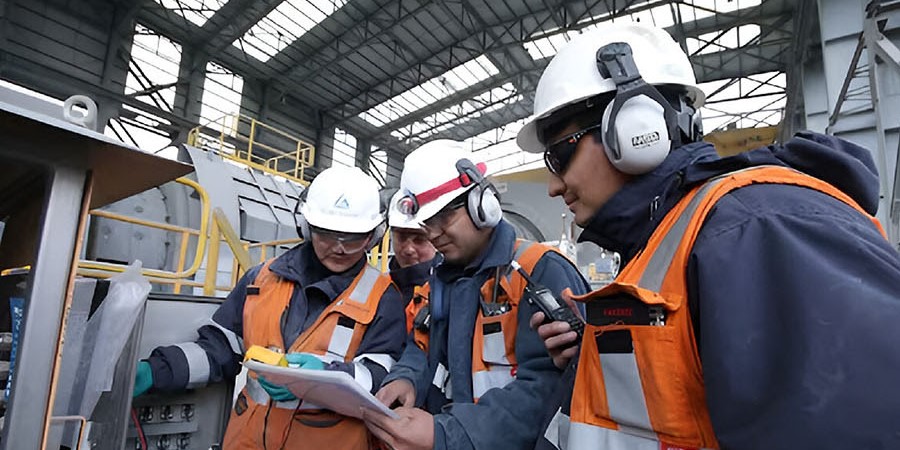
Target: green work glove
pixel 304 361
pixel 143 378
pixel 276 392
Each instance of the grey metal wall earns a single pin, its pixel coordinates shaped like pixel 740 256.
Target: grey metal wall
pixel 874 126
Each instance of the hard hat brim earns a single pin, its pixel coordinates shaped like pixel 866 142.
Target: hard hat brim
pixel 428 211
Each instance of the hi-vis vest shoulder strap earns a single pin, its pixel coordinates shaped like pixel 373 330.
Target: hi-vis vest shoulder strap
pixel 493 344
pixel 640 386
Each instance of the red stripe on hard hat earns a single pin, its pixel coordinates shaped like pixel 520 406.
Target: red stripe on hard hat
pixel 461 181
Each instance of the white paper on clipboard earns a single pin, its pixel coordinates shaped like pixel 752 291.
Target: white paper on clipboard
pixel 331 389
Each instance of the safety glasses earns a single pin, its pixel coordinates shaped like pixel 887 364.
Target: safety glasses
pixel 349 242
pixel 444 217
pixel 559 154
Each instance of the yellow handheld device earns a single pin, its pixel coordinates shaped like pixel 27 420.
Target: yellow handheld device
pixel 265 356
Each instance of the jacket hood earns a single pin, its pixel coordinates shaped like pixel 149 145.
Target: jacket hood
pixel 625 222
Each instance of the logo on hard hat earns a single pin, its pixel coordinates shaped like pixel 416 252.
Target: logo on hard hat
pixel 644 140
pixel 342 203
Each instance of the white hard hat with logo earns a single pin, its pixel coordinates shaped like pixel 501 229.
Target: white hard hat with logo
pixel 343 199
pixel 573 76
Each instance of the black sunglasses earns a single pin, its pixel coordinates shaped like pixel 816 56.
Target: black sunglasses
pixel 558 155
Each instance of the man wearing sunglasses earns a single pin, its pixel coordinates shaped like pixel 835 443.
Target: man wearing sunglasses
pixel 320 303
pixel 759 299
pixel 474 344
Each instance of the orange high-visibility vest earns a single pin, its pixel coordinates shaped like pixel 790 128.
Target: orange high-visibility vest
pixel 494 342
pixel 257 422
pixel 416 303
pixel 644 389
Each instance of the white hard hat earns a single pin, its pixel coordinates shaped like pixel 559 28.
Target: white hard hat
pixel 397 219
pixel 343 199
pixel 572 76
pixel 431 180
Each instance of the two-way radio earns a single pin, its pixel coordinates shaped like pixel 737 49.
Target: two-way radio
pixel 553 307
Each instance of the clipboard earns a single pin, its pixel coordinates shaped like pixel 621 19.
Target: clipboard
pixel 330 389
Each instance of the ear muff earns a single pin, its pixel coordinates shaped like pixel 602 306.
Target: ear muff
pixel 484 206
pixel 377 235
pixel 378 232
pixel 482 202
pixel 639 126
pixel 299 220
pixel 636 138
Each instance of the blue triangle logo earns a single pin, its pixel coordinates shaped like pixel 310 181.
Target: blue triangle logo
pixel 342 203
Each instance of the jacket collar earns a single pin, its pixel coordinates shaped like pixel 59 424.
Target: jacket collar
pixel 301 265
pixel 625 222
pixel 414 275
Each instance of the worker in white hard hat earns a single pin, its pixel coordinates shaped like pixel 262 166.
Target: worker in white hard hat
pixel 410 266
pixel 320 304
pixel 759 299
pixel 472 342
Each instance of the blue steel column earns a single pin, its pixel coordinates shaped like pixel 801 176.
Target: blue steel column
pixel 48 283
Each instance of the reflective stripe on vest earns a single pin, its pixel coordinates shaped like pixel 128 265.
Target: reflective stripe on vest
pixel 621 415
pixel 441 380
pixel 586 436
pixel 343 332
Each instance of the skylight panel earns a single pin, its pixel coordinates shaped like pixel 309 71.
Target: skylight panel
pixel 344 149
pixel 154 68
pixel 196 11
pixel 459 78
pixel 498 149
pixel 547 43
pixel 756 100
pixel 733 38
pixel 461 113
pixel 222 93
pixel 284 25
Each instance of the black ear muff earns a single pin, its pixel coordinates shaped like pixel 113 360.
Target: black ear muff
pixel 482 202
pixel 378 232
pixel 640 127
pixel 299 220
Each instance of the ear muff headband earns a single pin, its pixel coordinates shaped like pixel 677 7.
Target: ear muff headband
pixel 616 61
pixel 482 202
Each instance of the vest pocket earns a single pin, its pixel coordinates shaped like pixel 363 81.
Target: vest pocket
pixel 631 378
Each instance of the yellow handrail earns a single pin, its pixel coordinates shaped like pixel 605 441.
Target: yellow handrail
pixel 230 144
pixel 201 241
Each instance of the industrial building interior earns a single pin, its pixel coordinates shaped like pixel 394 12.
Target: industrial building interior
pixel 236 105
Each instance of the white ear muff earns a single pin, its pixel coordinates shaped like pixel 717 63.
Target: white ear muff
pixel 640 133
pixel 490 210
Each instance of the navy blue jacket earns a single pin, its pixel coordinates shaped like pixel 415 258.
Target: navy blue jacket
pixel 795 295
pixel 181 366
pixel 506 418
